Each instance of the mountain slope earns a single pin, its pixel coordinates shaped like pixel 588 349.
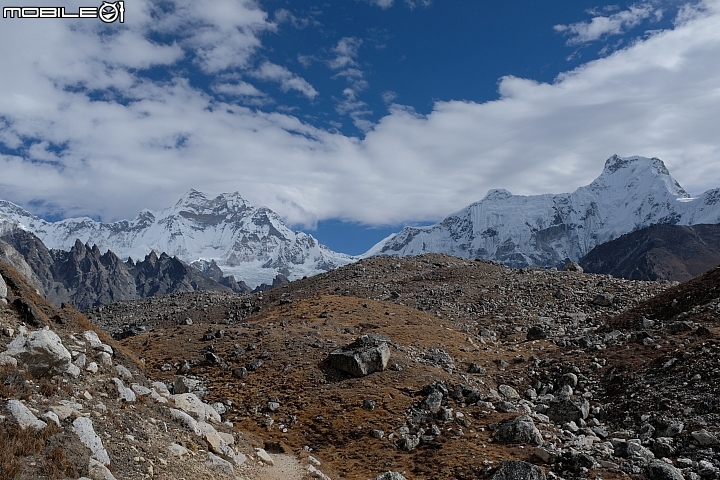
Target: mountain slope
pixel 84 278
pixel 548 230
pixel 253 244
pixel 658 252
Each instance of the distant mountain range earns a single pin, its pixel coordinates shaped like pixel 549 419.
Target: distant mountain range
pixel 548 230
pixel 252 244
pixel 225 243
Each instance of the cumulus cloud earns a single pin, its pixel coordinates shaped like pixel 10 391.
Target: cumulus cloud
pixel 602 26
pixel 96 137
pixel 287 80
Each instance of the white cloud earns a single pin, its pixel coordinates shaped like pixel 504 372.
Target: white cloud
pixel 418 3
pixel 286 79
pixel 603 26
pixel 382 3
pixel 346 52
pixel 240 89
pixel 656 97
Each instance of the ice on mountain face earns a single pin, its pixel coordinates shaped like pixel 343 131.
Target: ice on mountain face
pixel 548 230
pixel 253 244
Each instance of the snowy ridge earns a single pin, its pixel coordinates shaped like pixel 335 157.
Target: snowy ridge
pixel 253 244
pixel 548 230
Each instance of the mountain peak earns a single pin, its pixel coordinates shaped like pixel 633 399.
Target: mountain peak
pixel 616 162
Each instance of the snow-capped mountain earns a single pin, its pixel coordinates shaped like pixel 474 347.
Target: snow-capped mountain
pixel 253 244
pixel 548 230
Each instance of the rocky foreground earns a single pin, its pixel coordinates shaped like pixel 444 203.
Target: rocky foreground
pixel 429 367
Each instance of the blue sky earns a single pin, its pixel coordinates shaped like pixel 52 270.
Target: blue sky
pixel 351 118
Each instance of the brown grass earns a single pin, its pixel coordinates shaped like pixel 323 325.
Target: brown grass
pixel 16 443
pixel 13 383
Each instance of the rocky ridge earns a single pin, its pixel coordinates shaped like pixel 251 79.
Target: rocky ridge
pixel 75 404
pixel 84 278
pixel 658 252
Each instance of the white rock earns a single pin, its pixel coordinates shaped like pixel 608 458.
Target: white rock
pixel 98 471
pixel 92 367
pixel 140 390
pixel 42 351
pixel 106 348
pixel 73 370
pixel 125 394
pixel 177 450
pixel 24 416
pixel 229 438
pixel 161 388
pixel 123 372
pixel 83 428
pixel 105 359
pixel 190 403
pixel 81 360
pixel 218 445
pixel 52 416
pixel 185 419
pixel 6 359
pixel 315 473
pixel 264 457
pixel 221 465
pixel 92 338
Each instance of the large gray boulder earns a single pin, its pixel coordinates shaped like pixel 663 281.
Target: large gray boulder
pixel 519 430
pixel 517 470
pixel 367 354
pixel 42 351
pixel 569 410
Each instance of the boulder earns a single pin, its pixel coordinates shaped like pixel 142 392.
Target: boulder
pixel 704 438
pixel 219 464
pixel 572 267
pixel 367 354
pixel 190 403
pixel 83 428
pixel 23 416
pixel 662 471
pixel 517 470
pixel 42 351
pixel 568 410
pixel 518 430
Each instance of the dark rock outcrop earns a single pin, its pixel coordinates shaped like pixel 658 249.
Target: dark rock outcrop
pixel 658 252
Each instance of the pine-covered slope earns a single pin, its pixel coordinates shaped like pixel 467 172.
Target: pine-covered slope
pixel 548 230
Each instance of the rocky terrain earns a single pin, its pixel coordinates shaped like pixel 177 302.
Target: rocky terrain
pixel 436 367
pixel 658 252
pixel 84 277
pixel 75 404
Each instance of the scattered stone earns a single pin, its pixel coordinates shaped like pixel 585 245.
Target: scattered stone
pixel 23 416
pixel 704 438
pixel 568 410
pixel 369 404
pixel 476 368
pixel 186 420
pixel 123 372
pixel 572 267
pixel 219 464
pixel 518 430
pixel 177 450
pixel 264 457
pixel 604 299
pixel 536 332
pixel 509 392
pixel 125 394
pixel 7 359
pixel 83 428
pixel 367 354
pixel 3 288
pixel 662 471
pixel 517 470
pixel 98 471
pixel 191 404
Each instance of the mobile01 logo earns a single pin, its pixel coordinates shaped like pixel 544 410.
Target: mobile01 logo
pixel 108 12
